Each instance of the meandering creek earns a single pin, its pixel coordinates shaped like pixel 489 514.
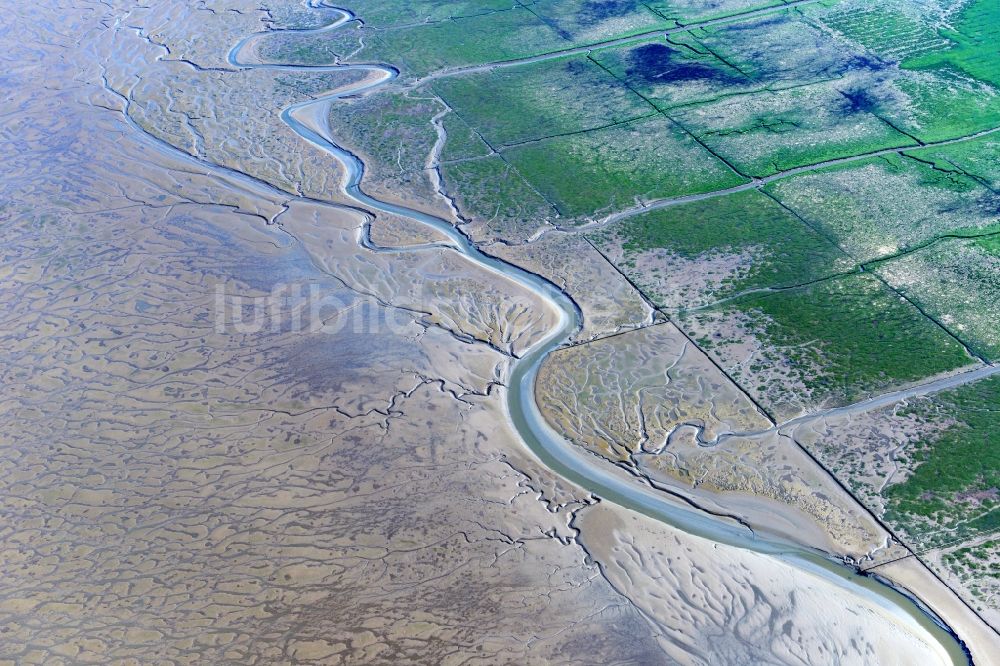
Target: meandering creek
pixel 310 120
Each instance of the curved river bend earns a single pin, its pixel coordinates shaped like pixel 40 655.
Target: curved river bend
pixel 309 119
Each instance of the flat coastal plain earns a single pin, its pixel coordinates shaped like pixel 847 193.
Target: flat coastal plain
pixel 308 309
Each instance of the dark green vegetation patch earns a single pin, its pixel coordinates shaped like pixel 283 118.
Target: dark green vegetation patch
pixel 955 482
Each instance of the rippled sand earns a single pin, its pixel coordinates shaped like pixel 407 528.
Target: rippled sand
pixel 189 477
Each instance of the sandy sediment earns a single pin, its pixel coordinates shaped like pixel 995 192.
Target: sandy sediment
pixel 979 638
pixel 691 589
pixel 646 400
pixel 443 288
pixel 609 304
pixel 194 474
pixel 650 399
pixel 394 231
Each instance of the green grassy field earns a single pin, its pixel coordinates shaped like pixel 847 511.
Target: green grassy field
pixel 881 207
pixel 463 142
pixel 973 48
pixel 942 104
pixel 663 250
pixel 554 97
pixel 394 14
pixel 978 159
pixel 392 131
pixel 957 281
pixel 947 86
pixel 596 173
pixel 687 11
pixel 420 49
pixel 892 29
pixel 322 49
pixel 672 72
pixel 591 21
pixel 779 50
pixel 956 476
pixel 834 342
pixel 491 191
pixel 767 132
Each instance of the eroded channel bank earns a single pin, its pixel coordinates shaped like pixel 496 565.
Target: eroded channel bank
pixel 309 119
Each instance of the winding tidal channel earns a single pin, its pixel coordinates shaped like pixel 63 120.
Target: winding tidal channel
pixel 310 120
